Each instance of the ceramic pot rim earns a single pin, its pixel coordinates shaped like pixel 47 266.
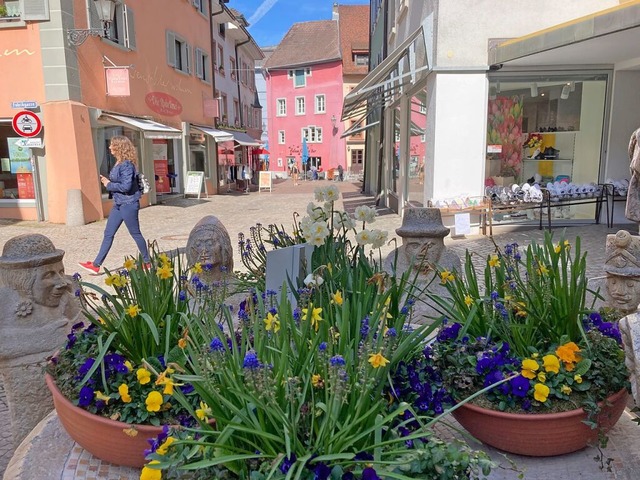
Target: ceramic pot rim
pixel 529 417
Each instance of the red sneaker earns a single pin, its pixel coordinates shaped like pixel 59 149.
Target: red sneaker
pixel 89 266
pixel 147 266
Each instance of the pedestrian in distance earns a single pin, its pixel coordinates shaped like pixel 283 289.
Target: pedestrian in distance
pixel 340 173
pixel 294 173
pixel 122 185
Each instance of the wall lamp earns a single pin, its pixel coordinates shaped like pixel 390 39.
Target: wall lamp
pixel 333 120
pixel 106 10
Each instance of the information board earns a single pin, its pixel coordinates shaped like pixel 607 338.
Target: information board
pixel 194 183
pixel 264 181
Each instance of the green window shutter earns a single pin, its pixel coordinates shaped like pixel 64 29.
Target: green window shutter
pixel 35 10
pixel 129 29
pixel 171 48
pixel 187 58
pixel 198 58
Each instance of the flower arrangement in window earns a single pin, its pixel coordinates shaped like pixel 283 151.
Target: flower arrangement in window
pixel 534 141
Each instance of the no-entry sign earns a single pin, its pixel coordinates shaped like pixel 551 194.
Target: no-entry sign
pixel 26 124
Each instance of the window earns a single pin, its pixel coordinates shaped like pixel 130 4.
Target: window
pixel 122 29
pixel 299 78
pixel 281 107
pixel 222 29
pixel 300 109
pixel 312 134
pixel 321 104
pixel 361 59
pixel 233 67
pixel 357 157
pixel 201 6
pixel 281 137
pixel 236 112
pixel 423 108
pixel 224 112
pixel 221 59
pixel 178 52
pixel 202 65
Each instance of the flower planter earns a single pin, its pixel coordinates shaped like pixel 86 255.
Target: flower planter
pixel 539 435
pixel 104 438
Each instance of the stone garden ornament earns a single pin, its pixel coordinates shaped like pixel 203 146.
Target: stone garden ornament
pixel 210 245
pixel 36 312
pixel 632 210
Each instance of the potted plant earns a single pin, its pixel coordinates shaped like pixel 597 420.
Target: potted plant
pixel 301 391
pixel 117 372
pixel 529 343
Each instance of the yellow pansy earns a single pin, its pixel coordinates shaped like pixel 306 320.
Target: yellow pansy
pixel 568 352
pixel 127 364
pixel 468 300
pixel 133 310
pixel 314 316
pixel 272 323
pixel 154 401
pixel 129 264
pixel 144 376
pixel 197 268
pixel 204 412
pixel 101 396
pixel 123 390
pixel 151 473
pixel 316 381
pixel 551 363
pixel 494 261
pixel 446 276
pixel 566 389
pixel 577 378
pixel 540 392
pixel 337 298
pixel 529 367
pixel 162 449
pixel 542 377
pixel 377 360
pixel 165 271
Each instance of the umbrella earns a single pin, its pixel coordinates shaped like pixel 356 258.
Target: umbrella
pixel 305 155
pixel 261 151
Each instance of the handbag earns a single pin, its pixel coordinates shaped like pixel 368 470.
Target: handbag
pixel 143 184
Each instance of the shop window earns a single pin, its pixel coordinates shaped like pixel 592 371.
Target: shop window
pixel 321 104
pixel 300 107
pixel 178 52
pixel 16 175
pixel 202 65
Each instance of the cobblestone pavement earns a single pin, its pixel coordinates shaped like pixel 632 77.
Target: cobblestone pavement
pixel 169 225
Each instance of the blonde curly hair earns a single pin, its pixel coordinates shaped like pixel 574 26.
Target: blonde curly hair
pixel 123 149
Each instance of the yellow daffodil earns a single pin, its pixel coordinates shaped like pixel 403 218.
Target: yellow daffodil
pixel 116 280
pixel 162 449
pixel 520 309
pixel 182 343
pixel 566 244
pixel 151 473
pixel 557 248
pixel 168 386
pixel 468 301
pixel 542 269
pixel 272 323
pixel 540 392
pixel 164 272
pixel 197 268
pixel 329 268
pixel 101 396
pixel 551 363
pixel 542 377
pixel 129 264
pixel 144 376
pixel 123 390
pixel 133 310
pixel 377 360
pixel 337 298
pixel 154 401
pixel 316 381
pixel 164 259
pixel 446 276
pixel 529 368
pixel 566 389
pixel 314 315
pixel 577 378
pixel 494 261
pixel 378 279
pixel 204 412
pixel 101 320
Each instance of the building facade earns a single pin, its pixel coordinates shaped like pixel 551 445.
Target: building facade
pixel 88 81
pixel 304 97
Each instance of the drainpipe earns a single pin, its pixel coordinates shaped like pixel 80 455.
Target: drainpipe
pixel 213 54
pixel 238 79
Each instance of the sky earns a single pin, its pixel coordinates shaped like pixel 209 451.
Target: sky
pixel 270 20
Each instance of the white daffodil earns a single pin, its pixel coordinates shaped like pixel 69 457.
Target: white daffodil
pixel 378 238
pixel 365 214
pixel 313 280
pixel 364 237
pixel 331 193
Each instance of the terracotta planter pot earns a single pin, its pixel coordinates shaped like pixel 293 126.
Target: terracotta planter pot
pixel 538 435
pixel 103 437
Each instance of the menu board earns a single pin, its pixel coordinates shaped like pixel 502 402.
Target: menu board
pixel 194 183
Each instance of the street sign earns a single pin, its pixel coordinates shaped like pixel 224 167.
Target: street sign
pixel 30 142
pixel 26 124
pixel 24 104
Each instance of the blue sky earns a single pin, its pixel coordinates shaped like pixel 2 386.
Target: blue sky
pixel 271 19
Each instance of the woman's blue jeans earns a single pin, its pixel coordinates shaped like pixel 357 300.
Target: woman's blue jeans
pixel 129 215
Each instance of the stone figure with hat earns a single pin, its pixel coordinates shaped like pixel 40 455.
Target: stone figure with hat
pixel 209 244
pixel 37 309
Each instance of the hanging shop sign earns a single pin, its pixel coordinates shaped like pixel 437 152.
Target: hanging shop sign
pixel 117 81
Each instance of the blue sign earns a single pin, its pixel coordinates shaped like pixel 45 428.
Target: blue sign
pixel 24 104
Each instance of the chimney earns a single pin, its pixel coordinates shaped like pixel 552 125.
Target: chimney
pixel 334 15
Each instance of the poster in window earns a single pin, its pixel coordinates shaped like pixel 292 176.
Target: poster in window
pixel 161 166
pixel 25 185
pixel 20 156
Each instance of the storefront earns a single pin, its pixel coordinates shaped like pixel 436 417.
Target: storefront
pixel 238 166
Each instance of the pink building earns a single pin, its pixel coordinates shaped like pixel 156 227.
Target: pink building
pixel 304 94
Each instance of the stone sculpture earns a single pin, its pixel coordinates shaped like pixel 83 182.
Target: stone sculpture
pixel 36 313
pixel 630 330
pixel 210 245
pixel 622 268
pixel 632 208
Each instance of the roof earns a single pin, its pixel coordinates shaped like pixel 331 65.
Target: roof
pixel 306 43
pixel 353 23
pixel 266 51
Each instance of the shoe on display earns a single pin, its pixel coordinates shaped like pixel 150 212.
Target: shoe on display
pixel 90 267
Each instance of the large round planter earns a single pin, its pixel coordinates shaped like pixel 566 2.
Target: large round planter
pixel 104 438
pixel 539 435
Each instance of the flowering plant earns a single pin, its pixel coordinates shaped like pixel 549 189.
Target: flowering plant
pixel 534 140
pixel 529 334
pixel 299 390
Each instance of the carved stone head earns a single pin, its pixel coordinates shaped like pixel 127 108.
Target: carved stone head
pixel 622 266
pixel 209 244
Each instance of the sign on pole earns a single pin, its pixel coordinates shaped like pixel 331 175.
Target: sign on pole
pixel 30 142
pixel 26 124
pixel 24 104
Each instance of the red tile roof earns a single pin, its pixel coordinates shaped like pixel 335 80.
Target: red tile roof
pixel 307 43
pixel 353 24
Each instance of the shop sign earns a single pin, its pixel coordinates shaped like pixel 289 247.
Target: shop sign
pixel 117 81
pixel 494 148
pixel 163 103
pixel 30 142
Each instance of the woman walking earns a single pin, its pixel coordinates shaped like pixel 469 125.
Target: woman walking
pixel 122 185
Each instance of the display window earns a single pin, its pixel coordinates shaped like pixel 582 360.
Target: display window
pixel 16 172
